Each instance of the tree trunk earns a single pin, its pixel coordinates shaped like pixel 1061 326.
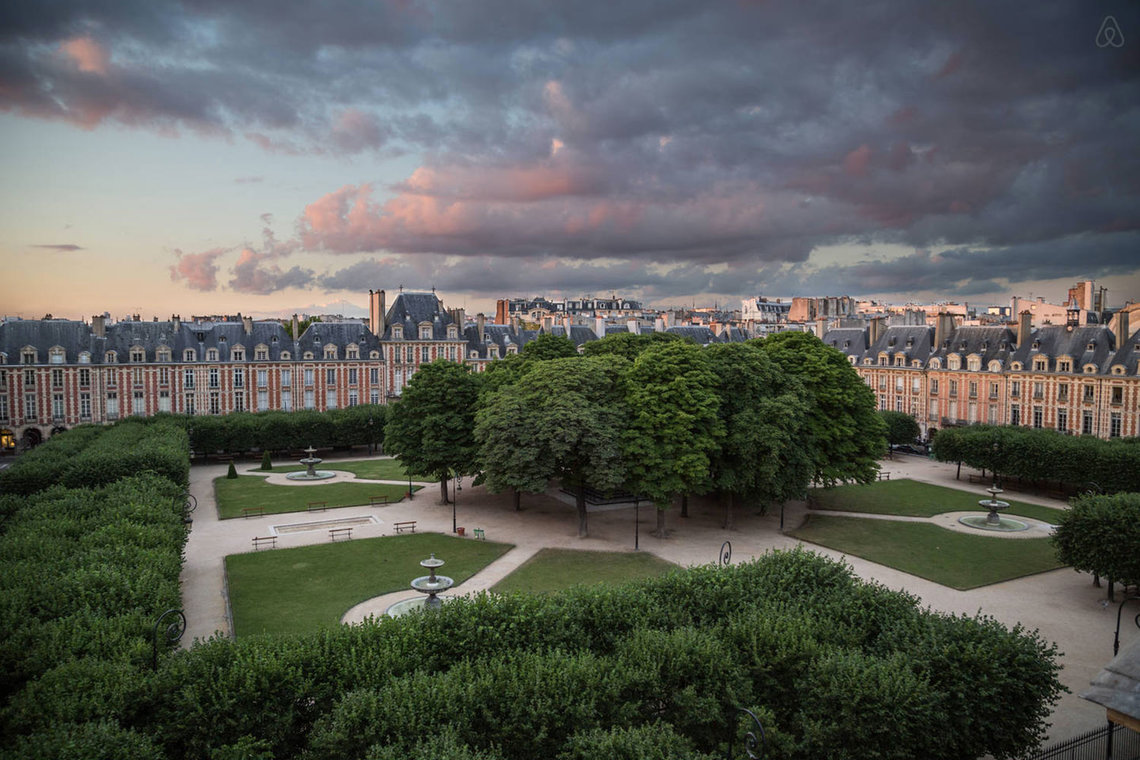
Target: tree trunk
pixel 660 522
pixel 958 475
pixel 1096 580
pixel 1111 590
pixel 443 491
pixel 728 511
pixel 581 499
pixel 684 505
pixel 518 499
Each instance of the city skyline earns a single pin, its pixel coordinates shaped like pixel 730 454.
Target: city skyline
pixel 162 157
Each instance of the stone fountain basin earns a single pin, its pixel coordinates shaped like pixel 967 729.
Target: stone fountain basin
pixel 427 584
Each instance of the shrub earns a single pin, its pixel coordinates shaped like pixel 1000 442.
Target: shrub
pixel 266 461
pixel 231 473
pixel 1101 534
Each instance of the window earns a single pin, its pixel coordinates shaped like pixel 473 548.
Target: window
pixel 261 354
pixel 188 378
pixel 1038 417
pixel 898 385
pixel 330 376
pixel 308 379
pixel 56 355
pixel 1063 392
pixel 425 332
pixel 374 396
pixel 85 407
pixel 29 355
pixel 262 378
pixel 138 355
pixel 262 401
pixel 915 384
pixel 112 406
pixel 84 358
pixel 409 354
pixel 953 389
pixel 214 378
pixel 451 353
pixel 452 333
pixel 972 412
pixel 189 408
pixel 1117 395
pixel 954 410
pixel 1064 365
pixel 352 375
pixel 1014 415
pixel 110 357
pixel 137 377
pixel 1089 393
pixel 882 382
pixel 309 404
pixel 974 363
pixel 1040 364
pixel 239 378
pixel 57 407
pixel 374 375
pixel 112 378
pixel 163 376
pixel 1086 423
pixel 1039 390
pixel 239 402
pixel 1063 420
pixel 163 354
pixel 215 404
pixel 993 390
pixel 991 415
pixel 164 401
pixel 425 354
pixel 973 389
pixel 57 378
pixel 1114 425
pixel 137 403
pixel 237 354
pixel 353 398
pixel 287 401
pixel 898 404
pixel 286 378
pixel 900 359
pixel 397 332
pixel 953 361
pixel 188 355
pixel 352 352
pixel 84 378
pixel 330 352
pixel 285 355
pixel 330 400
pixel 29 378
pixel 934 386
pixel 1015 388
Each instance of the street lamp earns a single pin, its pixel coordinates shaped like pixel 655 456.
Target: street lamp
pixel 455 499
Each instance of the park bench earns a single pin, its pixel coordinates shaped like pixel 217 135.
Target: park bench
pixel 376 501
pixel 264 542
pixel 225 457
pixel 406 525
pixel 979 479
pixel 252 511
pixel 479 534
pixel 318 506
pixel 340 534
pixel 884 476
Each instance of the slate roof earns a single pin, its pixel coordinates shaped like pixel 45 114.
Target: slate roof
pixel 1128 355
pixel 912 341
pixel 1059 340
pixel 702 336
pixel 989 343
pixel 73 337
pixel 410 309
pixel 343 334
pixel 852 341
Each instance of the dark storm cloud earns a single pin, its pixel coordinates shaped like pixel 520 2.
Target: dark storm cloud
pixel 737 134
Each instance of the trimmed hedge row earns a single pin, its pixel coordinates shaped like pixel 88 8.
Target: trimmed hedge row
pixel 91 456
pixel 1043 455
pixel 651 669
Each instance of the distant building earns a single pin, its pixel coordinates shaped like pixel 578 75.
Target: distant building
pixel 759 309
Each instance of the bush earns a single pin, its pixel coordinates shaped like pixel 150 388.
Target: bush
pixel 231 473
pixel 1101 535
pixel 266 462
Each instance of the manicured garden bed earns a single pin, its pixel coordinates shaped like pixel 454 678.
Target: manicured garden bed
pixel 310 587
pixel 917 499
pixel 957 560
pixel 235 494
pixel 558 569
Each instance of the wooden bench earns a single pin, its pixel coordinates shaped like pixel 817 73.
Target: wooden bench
pixel 884 476
pixel 406 525
pixel 318 506
pixel 376 501
pixel 252 511
pixel 340 534
pixel 479 534
pixel 264 542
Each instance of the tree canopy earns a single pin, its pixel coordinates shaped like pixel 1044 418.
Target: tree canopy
pixel 431 429
pixel 547 346
pixel 628 345
pixel 844 435
pixel 1101 535
pixel 901 427
pixel 562 419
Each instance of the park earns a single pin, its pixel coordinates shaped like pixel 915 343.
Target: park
pixel 645 548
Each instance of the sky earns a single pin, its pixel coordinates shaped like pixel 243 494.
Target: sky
pixel 272 157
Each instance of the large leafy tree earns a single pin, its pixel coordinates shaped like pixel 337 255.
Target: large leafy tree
pixel 762 457
pixel 1101 535
pixel 901 427
pixel 674 429
pixel 431 428
pixel 547 346
pixel 562 419
pixel 844 436
pixel 627 345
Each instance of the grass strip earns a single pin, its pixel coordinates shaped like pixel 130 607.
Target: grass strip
pixel 234 494
pixel 917 499
pixel 558 569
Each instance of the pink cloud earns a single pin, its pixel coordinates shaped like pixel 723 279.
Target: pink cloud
pixel 857 161
pixel 87 54
pixel 356 130
pixel 515 184
pixel 198 270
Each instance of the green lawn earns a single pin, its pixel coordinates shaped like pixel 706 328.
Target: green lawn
pixel 910 497
pixel 373 469
pixel 303 589
pixel 957 560
pixel 557 569
pixel 234 494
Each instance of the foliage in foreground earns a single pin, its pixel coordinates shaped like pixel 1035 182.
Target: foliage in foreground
pixel 651 669
pixel 1101 535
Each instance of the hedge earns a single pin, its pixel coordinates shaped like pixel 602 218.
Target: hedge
pixel 833 665
pixel 240 432
pixel 1043 455
pixel 1101 535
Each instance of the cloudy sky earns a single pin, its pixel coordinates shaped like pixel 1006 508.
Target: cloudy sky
pixel 216 156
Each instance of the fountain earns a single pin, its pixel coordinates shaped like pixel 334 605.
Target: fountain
pixel 430 584
pixel 993 521
pixel 310 473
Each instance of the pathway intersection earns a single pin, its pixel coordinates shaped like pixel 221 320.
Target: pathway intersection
pixel 1063 605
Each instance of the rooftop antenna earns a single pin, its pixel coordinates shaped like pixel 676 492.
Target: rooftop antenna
pixel 401 287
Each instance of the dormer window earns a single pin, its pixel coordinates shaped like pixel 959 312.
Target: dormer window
pixel 953 362
pixel 189 355
pixel 1090 369
pixel 974 363
pixel 397 332
pixel 110 357
pixel 425 332
pixel 893 340
pixel 936 364
pixel 237 354
pixel 261 353
pixel 995 366
pixel 910 342
pixel 1015 366
pixel 28 356
pixel 900 361
pixel 917 363
pixel 512 349
pixel 308 355
pixel 85 358
pixel 56 355
pixel 474 354
pixel 373 354
pixel 985 345
pixel 1040 364
pixel 138 354
pixel 1091 346
pixel 211 354
pixel 867 361
pixel 285 356
pixel 352 352
pixel 163 354
pixel 452 332
pixel 330 351
pixel 847 344
pixel 493 351
pixel 1118 370
pixel 1036 345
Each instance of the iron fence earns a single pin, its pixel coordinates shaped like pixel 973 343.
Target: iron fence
pixel 1093 745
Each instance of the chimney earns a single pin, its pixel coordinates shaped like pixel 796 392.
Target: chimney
pixel 514 322
pixel 1122 327
pixel 634 327
pixel 377 312
pixel 600 327
pixel 296 328
pixel 175 323
pixel 99 326
pixel 247 325
pixel 547 323
pixel 1024 327
pixel 659 324
pixel 820 327
pixel 876 329
pixel 566 325
pixel 481 324
pixel 943 326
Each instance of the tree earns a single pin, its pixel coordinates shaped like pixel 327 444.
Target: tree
pixel 673 426
pixel 763 413
pixel 562 419
pixel 901 427
pixel 627 345
pixel 547 346
pixel 844 435
pixel 431 428
pixel 1101 535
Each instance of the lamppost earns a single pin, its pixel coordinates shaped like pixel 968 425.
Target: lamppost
pixel 370 434
pixel 455 499
pixel 636 523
